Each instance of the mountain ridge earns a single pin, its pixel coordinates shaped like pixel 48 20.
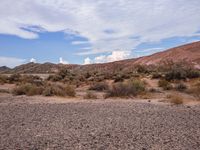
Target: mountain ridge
pixel 189 53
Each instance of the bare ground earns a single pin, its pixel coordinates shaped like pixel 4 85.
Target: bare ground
pixel 40 123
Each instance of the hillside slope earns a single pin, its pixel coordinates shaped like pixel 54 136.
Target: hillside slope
pixel 189 53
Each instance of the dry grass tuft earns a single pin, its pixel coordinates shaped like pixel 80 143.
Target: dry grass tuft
pixel 90 95
pixel 175 99
pixel 195 90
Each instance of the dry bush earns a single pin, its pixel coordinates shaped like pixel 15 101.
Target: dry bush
pixel 58 90
pixel 3 79
pixel 118 78
pixel 32 79
pixel 195 90
pixel 70 91
pixel 90 95
pixel 4 91
pixel 181 87
pixel 125 89
pixel 99 86
pixel 164 84
pixel 14 78
pixel 27 89
pixel 175 99
pixel 46 90
pixel 156 75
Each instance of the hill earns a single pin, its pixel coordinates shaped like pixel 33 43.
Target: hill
pixel 4 68
pixel 189 53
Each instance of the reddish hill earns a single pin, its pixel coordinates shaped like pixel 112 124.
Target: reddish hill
pixel 189 53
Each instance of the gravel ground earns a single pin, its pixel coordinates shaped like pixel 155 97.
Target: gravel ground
pixel 98 125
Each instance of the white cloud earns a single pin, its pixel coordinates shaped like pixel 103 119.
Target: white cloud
pixel 131 22
pixel 33 60
pixel 114 56
pixel 11 61
pixel 62 61
pixel 79 42
pixel 87 61
pixel 118 55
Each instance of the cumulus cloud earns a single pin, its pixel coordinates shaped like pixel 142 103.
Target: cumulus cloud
pixel 33 60
pixel 108 25
pixel 62 61
pixel 87 61
pixel 114 56
pixel 11 61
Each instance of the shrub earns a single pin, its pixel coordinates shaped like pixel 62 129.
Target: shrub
pixel 164 84
pixel 193 73
pixel 153 90
pixel 156 75
pixel 4 91
pixel 181 87
pixel 3 79
pixel 142 69
pixel 124 89
pixel 48 91
pixel 58 90
pixel 27 89
pixel 101 86
pixel 176 99
pixel 195 90
pixel 36 80
pixel 90 95
pixel 14 78
pixel 176 74
pixel 54 78
pixel 70 91
pixel 118 78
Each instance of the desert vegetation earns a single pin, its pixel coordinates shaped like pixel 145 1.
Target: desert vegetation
pixel 175 99
pixel 126 89
pixel 125 83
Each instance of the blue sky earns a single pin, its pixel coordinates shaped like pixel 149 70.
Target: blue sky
pixel 89 31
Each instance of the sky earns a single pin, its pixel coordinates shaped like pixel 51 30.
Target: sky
pixel 93 31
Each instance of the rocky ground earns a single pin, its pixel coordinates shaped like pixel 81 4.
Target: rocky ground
pixel 34 123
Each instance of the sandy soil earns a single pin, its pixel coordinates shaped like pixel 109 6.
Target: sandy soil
pixel 58 123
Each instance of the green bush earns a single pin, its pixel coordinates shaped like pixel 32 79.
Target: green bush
pixel 193 73
pixel 176 74
pixel 125 89
pixel 142 69
pixel 164 84
pixel 181 72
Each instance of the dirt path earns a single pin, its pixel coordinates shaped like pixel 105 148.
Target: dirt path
pixel 97 125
